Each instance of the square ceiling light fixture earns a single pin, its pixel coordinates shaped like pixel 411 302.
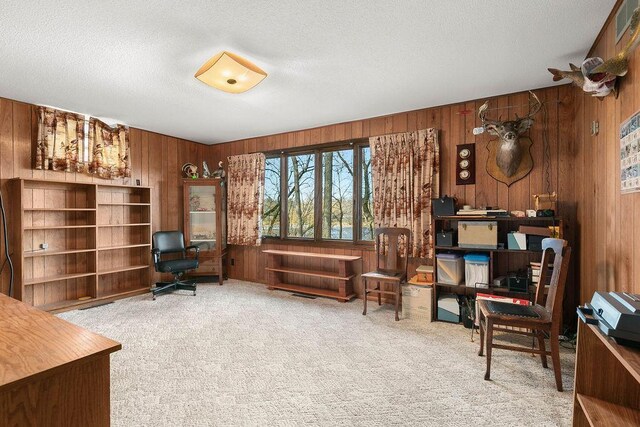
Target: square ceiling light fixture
pixel 230 73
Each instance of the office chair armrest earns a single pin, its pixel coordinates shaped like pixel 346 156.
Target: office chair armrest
pixel 197 249
pixel 156 255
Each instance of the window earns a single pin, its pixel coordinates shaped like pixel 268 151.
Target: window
pixel 271 210
pixel 366 187
pixel 300 195
pixel 328 193
pixel 337 195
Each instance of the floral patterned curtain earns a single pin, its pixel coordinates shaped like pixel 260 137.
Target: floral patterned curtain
pixel 405 169
pixel 59 143
pixel 245 199
pixel 109 150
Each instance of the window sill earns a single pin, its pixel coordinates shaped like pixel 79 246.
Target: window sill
pixel 364 245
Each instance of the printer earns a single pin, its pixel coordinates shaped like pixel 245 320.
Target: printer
pixel 617 314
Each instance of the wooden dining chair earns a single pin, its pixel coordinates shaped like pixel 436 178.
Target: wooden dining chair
pixel 393 270
pixel 536 320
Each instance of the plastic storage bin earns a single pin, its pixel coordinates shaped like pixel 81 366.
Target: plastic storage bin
pixel 476 270
pixel 450 269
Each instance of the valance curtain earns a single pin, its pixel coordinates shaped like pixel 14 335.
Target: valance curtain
pixel 60 140
pixel 405 169
pixel 109 150
pixel 245 199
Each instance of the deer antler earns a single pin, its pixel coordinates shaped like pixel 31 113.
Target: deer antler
pixel 482 113
pixel 536 106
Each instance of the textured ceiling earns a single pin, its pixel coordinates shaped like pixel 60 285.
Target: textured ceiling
pixel 328 61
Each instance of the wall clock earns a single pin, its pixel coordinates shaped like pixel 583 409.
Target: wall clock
pixel 466 164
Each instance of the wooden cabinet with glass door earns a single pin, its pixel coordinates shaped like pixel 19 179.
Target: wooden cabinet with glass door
pixel 205 224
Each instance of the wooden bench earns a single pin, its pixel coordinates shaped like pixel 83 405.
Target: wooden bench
pixel 345 274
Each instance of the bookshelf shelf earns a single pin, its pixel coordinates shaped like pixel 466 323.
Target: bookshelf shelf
pixel 93 220
pixel 501 260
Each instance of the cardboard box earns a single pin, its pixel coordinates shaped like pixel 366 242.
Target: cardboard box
pixel 478 234
pixel 417 302
pixel 545 201
pixel 536 231
pixel 425 273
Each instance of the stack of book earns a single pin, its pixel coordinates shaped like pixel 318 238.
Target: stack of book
pixel 535 272
pixel 483 212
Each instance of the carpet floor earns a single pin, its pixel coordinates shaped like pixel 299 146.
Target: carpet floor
pixel 239 354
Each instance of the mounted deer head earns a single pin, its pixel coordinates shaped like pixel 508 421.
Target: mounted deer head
pixel 509 152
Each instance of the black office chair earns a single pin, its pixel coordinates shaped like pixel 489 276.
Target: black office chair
pixel 172 242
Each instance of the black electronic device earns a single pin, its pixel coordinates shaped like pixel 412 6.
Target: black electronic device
pixel 444 206
pixel 518 283
pixel 617 314
pixel 534 243
pixel 544 213
pixel 447 238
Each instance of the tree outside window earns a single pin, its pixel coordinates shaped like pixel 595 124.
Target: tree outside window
pixel 323 187
pixel 271 210
pixel 301 199
pixel 366 229
pixel 337 195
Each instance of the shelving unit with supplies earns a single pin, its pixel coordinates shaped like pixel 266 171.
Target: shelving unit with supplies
pixel 501 261
pixel 98 239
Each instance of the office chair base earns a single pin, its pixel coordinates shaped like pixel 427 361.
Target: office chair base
pixel 165 287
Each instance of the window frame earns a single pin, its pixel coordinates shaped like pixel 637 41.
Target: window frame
pixel 318 150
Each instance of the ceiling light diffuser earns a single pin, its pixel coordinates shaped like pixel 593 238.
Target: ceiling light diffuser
pixel 230 73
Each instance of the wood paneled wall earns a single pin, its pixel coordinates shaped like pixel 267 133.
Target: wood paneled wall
pixel 156 161
pixel 608 238
pixel 455 123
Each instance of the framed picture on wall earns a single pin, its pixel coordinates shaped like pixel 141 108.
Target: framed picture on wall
pixel 630 154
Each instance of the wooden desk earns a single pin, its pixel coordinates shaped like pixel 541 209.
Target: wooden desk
pixel 51 371
pixel 345 274
pixel 607 381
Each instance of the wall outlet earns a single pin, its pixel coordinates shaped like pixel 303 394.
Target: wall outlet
pixel 44 246
pixel 233 261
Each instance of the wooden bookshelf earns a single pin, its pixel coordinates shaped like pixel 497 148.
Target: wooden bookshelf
pixel 501 260
pixel 607 381
pixel 44 252
pixel 122 269
pixel 276 268
pixel 313 273
pixel 60 209
pixel 99 238
pixel 124 204
pixel 60 227
pixel 56 278
pixel 139 245
pixel 141 224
